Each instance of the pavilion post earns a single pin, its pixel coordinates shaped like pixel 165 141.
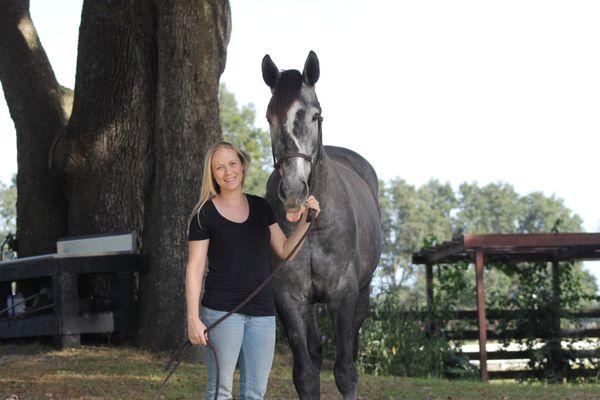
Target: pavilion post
pixel 557 360
pixel 481 319
pixel 556 295
pixel 429 288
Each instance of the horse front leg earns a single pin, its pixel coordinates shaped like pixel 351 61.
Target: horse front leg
pixel 343 311
pixel 362 311
pixel 298 321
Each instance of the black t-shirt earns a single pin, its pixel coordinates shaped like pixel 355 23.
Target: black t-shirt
pixel 238 255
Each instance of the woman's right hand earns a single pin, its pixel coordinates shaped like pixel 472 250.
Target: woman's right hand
pixel 197 332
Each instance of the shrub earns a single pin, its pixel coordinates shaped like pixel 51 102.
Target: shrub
pixel 394 340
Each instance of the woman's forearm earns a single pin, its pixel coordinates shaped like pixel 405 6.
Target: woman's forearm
pixel 292 241
pixel 193 286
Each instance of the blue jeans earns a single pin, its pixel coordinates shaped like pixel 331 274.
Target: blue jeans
pixel 240 338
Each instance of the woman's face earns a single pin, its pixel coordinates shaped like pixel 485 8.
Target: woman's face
pixel 227 169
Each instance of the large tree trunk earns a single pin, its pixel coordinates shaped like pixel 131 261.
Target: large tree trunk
pixel 107 151
pixel 40 109
pixel 106 157
pixel 192 37
pixel 144 111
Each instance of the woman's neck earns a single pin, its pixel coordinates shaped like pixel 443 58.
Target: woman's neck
pixel 234 197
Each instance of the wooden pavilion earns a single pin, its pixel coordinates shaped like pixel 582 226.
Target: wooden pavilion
pixel 548 247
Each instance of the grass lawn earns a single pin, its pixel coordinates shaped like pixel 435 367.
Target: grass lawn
pixel 33 371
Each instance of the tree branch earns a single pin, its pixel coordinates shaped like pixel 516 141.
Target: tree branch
pixel 40 109
pixel 25 72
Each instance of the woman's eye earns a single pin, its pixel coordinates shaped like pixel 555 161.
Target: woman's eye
pixel 315 117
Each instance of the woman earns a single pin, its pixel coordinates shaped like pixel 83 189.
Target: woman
pixel 235 231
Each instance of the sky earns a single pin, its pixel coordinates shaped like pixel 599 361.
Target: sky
pixel 460 91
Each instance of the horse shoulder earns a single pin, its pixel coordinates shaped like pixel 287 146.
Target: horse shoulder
pixel 357 163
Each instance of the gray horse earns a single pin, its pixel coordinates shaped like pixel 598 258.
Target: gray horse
pixel 336 263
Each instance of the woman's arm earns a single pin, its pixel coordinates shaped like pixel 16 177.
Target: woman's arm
pixel 197 251
pixel 281 245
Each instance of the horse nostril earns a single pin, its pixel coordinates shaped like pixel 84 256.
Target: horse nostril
pixel 305 190
pixel 280 192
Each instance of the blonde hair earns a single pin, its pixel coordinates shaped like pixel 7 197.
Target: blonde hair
pixel 209 185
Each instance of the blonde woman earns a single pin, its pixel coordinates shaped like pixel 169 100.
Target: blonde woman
pixel 234 231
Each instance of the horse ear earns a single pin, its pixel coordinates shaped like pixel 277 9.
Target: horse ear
pixel 270 71
pixel 311 69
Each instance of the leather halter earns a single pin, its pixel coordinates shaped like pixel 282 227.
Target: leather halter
pixel 285 157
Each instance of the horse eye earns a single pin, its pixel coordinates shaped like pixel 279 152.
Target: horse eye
pixel 315 117
pixel 269 120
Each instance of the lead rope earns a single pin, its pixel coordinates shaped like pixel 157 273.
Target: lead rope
pixel 176 357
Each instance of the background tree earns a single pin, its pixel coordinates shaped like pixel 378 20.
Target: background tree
pixel 434 212
pixel 409 215
pixel 541 213
pixel 126 145
pixel 493 208
pixel 8 207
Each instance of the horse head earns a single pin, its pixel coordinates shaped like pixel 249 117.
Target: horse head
pixel 294 116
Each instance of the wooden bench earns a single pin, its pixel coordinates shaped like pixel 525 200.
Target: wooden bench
pixel 99 254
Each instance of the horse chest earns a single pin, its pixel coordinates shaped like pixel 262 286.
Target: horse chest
pixel 331 263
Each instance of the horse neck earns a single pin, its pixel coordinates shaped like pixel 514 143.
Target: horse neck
pixel 321 179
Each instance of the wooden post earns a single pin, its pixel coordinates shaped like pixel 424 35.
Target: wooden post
pixel 481 319
pixel 65 294
pixel 122 299
pixel 429 288
pixel 557 361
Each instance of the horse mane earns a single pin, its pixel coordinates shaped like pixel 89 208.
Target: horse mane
pixel 286 91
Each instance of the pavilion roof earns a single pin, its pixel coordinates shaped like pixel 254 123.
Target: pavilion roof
pixel 514 247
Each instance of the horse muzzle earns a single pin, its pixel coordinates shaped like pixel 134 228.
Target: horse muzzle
pixel 293 200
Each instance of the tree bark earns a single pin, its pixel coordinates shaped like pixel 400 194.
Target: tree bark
pixel 40 109
pixel 105 157
pixel 192 37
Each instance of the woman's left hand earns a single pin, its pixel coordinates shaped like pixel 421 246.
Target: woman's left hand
pixel 313 203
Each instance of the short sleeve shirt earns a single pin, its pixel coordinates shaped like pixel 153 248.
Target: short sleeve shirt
pixel 238 257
